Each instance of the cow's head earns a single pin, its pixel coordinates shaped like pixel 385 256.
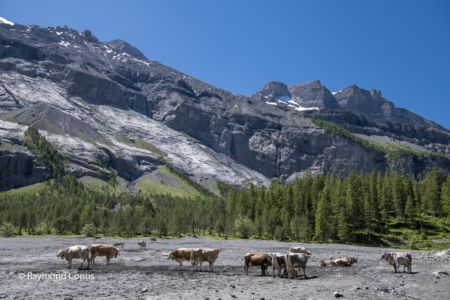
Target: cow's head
pixel 384 256
pixel 117 252
pixel 61 253
pixel 170 256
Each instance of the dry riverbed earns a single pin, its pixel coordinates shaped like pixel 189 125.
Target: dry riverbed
pixel 29 269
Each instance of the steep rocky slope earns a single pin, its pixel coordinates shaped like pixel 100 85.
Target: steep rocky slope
pixel 111 111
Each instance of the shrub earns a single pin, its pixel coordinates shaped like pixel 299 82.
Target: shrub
pixel 89 230
pixel 244 227
pixel 7 230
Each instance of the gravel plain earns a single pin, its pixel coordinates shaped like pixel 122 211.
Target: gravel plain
pixel 29 269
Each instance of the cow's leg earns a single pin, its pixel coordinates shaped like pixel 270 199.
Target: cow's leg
pixel 107 260
pixel 304 272
pixel 246 268
pixel 395 268
pixel 263 269
pixel 211 266
pixel 70 264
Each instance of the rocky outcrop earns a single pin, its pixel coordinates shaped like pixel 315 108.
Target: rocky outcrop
pixel 19 169
pixel 313 94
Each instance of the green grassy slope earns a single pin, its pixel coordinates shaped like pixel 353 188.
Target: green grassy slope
pixel 392 148
pixel 164 181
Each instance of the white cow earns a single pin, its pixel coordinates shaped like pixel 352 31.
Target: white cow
pixel 75 252
pixel 296 260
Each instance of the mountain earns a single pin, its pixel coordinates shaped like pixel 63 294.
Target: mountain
pixel 110 111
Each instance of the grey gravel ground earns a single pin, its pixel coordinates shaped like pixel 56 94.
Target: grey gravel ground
pixel 147 274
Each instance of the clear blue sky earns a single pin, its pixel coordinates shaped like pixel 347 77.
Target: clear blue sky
pixel 401 47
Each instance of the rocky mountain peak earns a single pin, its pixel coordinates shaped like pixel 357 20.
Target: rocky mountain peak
pixel 361 101
pixel 122 46
pixel 275 89
pixel 313 94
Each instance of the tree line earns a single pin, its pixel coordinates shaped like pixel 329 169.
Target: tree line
pixel 319 208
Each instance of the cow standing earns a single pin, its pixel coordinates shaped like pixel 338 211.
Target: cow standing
pixel 397 259
pixel 142 245
pixel 75 252
pixel 257 259
pixel 300 249
pixel 200 255
pixel 278 263
pixel 181 254
pixel 296 260
pixel 109 251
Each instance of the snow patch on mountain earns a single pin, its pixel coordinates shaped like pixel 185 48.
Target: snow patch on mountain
pixel 5 21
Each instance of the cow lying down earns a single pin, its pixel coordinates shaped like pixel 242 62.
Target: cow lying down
pixel 342 262
pixel 75 252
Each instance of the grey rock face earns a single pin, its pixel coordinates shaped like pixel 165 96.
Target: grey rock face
pixel 94 100
pixel 20 169
pixel 313 94
pixel 124 47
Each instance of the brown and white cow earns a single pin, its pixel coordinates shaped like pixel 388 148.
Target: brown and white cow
pixel 257 259
pixel 278 263
pixel 296 260
pixel 300 249
pixel 200 255
pixel 109 251
pixel 396 259
pixel 326 262
pixel 75 252
pixel 182 254
pixel 345 261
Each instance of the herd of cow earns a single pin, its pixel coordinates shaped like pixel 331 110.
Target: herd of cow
pixel 288 263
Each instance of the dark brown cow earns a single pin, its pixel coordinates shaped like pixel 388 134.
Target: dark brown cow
pixel 257 259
